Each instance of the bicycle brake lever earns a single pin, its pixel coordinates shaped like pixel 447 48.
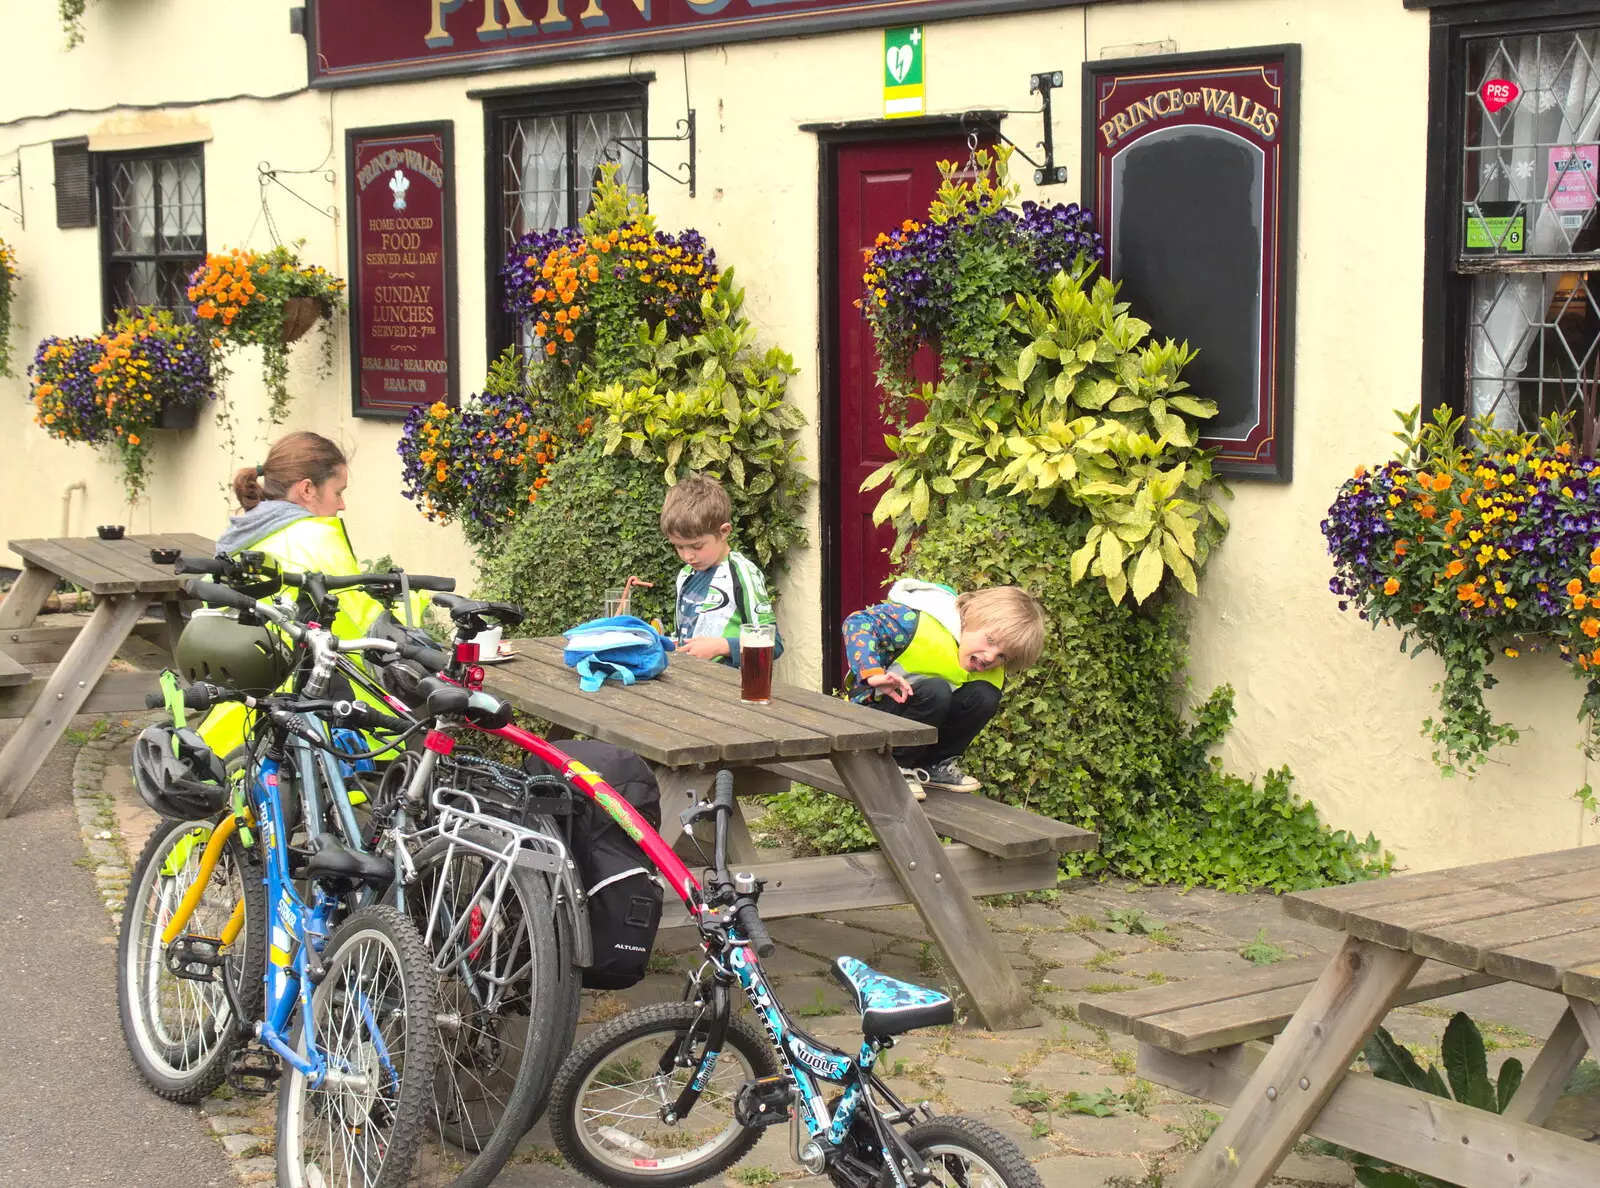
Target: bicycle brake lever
pixel 700 812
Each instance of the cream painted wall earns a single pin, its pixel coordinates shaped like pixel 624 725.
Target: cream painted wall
pixel 1316 689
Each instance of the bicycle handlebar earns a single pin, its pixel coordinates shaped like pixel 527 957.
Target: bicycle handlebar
pixel 745 912
pixel 755 930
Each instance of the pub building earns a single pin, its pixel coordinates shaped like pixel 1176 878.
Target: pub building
pixel 1349 206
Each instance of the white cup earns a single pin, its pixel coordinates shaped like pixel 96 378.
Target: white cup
pixel 488 642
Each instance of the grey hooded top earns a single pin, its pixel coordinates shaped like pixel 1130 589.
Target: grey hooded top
pixel 260 522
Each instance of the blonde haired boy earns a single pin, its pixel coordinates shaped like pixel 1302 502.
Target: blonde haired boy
pixel 935 656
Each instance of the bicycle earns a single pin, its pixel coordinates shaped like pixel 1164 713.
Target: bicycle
pixel 646 1102
pixel 478 883
pixel 350 997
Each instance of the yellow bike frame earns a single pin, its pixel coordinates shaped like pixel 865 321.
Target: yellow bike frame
pixel 208 865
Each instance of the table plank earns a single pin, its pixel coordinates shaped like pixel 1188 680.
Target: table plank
pixel 678 694
pixel 1472 943
pixel 1327 906
pixel 1266 1012
pixel 848 732
pixel 588 715
pixel 1453 1142
pixel 115 556
pixel 740 732
pixel 55 557
pixel 1582 982
pixel 133 557
pixel 1544 963
pixel 1119 1012
pixel 1392 925
pixel 194 544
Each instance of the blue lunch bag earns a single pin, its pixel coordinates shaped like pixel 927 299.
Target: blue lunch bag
pixel 620 648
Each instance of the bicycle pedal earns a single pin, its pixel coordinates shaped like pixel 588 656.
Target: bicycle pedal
pixel 195 958
pixel 254 1071
pixel 763 1103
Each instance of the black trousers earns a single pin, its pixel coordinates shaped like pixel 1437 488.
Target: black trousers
pixel 959 711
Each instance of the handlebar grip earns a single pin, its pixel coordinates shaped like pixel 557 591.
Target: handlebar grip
pixel 219 595
pixel 154 700
pixel 755 931
pixel 361 716
pixel 202 696
pixel 436 585
pixel 430 658
pixel 215 566
pixel 723 797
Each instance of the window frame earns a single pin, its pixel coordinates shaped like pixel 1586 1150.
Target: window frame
pixel 103 164
pixel 1447 288
pixel 503 107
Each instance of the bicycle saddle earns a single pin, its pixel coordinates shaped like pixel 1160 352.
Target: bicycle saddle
pixel 507 614
pixel 889 1006
pixel 334 860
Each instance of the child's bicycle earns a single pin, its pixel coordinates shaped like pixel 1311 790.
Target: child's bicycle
pixel 676 1093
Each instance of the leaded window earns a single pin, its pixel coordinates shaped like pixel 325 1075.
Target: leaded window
pixel 1527 237
pixel 155 227
pixel 545 156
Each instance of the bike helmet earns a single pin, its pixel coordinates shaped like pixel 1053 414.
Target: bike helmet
pixel 216 647
pixel 178 775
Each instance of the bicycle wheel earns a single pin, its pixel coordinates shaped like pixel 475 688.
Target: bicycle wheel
pixel 965 1153
pixel 500 1010
pixel 374 1021
pixel 180 1032
pixel 605 1110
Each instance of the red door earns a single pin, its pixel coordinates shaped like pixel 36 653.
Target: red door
pixel 876 188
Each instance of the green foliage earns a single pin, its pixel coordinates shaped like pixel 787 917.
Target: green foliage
pixel 1094 734
pixel 1068 403
pixel 597 523
pixel 714 403
pixel 1466 1067
pixel 1131 922
pixel 72 21
pixel 819 823
pixel 1261 951
pixel 8 281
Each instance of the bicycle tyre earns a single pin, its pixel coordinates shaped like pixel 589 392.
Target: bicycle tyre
pixel 947 1138
pixel 669 1021
pixel 187 1066
pixel 407 1003
pixel 499 1125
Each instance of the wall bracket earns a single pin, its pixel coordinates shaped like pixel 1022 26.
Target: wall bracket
pixel 18 212
pixel 685 175
pixel 1046 172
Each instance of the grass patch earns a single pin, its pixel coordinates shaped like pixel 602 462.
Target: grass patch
pixel 1261 951
pixel 755 1175
pixel 1106 988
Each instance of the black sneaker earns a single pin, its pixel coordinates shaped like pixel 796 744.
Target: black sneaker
pixel 948 776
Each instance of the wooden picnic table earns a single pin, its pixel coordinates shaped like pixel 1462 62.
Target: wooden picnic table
pixel 125 583
pixel 1531 920
pixel 689 723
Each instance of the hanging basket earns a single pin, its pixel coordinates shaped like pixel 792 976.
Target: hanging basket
pixel 299 315
pixel 178 416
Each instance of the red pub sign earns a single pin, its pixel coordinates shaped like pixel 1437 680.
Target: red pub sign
pixel 402 240
pixel 1190 161
pixel 358 41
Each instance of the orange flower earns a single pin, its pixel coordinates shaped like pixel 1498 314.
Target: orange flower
pixel 1579 602
pixel 1454 568
pixel 1400 549
pixel 1391 586
pixel 1590 626
pixel 1574 586
pixel 549 348
pixel 1594 574
pixel 133 439
pixel 1441 482
pixel 1594 557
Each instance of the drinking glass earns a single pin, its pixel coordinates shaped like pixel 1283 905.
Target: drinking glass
pixel 616 601
pixel 757 642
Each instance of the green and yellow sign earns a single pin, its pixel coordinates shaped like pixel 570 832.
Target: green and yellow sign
pixel 903 92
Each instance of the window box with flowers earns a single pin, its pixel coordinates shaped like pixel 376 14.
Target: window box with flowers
pixel 265 299
pixel 1479 545
pixel 147 372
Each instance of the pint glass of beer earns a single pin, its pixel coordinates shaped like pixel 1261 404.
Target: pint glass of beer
pixel 756 645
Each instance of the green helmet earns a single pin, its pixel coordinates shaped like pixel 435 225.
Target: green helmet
pixel 216 647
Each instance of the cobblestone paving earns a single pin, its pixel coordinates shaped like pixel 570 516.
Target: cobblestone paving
pixel 1091 938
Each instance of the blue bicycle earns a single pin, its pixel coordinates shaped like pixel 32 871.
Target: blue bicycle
pixel 350 1009
pixel 672 1094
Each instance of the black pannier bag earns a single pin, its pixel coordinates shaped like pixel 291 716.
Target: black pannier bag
pixel 624 893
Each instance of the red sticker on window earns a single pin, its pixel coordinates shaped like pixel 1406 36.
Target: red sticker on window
pixel 1497 93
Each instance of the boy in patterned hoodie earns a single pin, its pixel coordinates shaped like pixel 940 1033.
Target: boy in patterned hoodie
pixel 719 590
pixel 937 657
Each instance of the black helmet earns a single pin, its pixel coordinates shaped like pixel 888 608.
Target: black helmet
pixel 178 775
pixel 216 647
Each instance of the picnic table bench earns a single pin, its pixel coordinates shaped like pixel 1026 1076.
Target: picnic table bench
pixel 1535 921
pixel 689 723
pixel 126 584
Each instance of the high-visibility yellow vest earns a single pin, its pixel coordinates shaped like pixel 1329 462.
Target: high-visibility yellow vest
pixel 934 651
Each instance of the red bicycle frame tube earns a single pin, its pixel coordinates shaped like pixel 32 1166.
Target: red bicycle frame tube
pixel 619 810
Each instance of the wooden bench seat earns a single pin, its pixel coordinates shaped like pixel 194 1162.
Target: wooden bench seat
pixel 1206 1013
pixel 12 672
pixel 988 825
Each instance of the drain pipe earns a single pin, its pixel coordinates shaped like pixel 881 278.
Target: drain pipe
pixel 66 503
